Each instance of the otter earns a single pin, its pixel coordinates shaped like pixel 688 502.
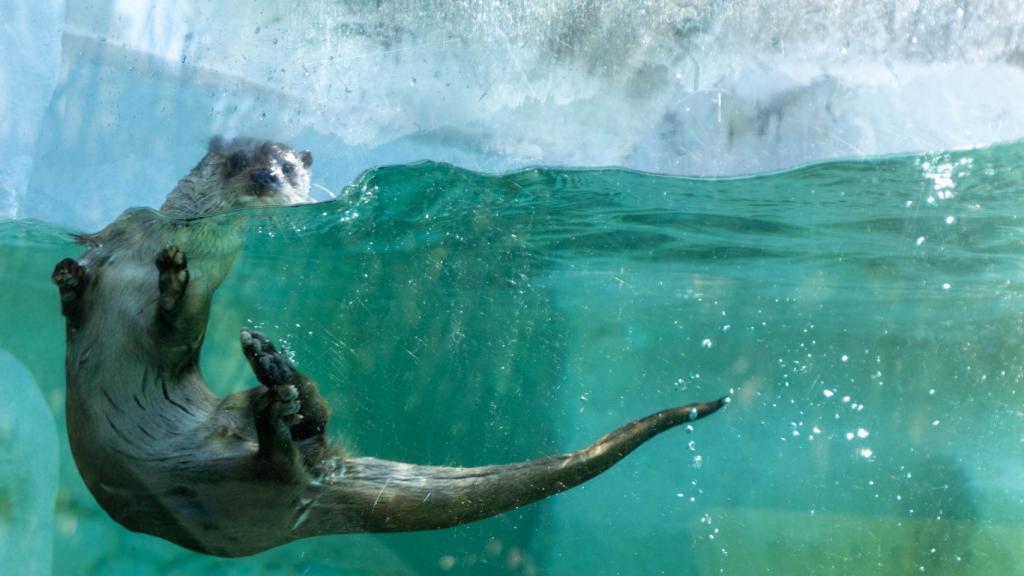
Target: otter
pixel 233 476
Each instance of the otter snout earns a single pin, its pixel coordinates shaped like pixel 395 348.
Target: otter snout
pixel 266 179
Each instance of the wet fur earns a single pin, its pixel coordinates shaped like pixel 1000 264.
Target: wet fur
pixel 164 455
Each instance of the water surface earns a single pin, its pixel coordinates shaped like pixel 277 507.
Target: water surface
pixel 866 315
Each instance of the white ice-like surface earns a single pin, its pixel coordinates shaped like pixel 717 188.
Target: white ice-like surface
pixel 707 88
pixel 30 56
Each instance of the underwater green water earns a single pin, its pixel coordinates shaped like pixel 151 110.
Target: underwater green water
pixel 866 315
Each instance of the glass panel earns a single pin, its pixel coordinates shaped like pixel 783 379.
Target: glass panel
pixel 530 224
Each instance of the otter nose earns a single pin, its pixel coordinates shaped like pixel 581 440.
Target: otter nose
pixel 265 178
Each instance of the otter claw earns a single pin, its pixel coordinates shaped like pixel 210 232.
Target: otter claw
pixel 288 409
pixel 283 408
pixel 287 393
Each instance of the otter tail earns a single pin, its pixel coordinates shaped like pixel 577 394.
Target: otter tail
pixel 371 495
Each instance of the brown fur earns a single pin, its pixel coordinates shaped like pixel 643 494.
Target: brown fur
pixel 217 184
pixel 163 455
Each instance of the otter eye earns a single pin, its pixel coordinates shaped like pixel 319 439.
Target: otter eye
pixel 288 168
pixel 237 162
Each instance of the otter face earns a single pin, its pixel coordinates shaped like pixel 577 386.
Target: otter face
pixel 259 173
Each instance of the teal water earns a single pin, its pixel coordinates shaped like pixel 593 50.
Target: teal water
pixel 866 316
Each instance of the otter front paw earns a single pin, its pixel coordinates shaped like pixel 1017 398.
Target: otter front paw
pixel 174 277
pixel 70 278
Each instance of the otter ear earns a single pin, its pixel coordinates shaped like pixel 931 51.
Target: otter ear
pixel 216 144
pixel 307 158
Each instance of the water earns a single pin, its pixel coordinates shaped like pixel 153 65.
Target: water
pixel 866 316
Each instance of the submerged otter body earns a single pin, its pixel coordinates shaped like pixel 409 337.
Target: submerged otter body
pixel 233 476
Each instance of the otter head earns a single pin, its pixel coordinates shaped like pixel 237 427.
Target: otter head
pixel 239 173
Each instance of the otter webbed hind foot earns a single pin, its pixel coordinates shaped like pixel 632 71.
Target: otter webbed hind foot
pixel 270 366
pixel 70 278
pixel 273 370
pixel 173 279
pixel 276 410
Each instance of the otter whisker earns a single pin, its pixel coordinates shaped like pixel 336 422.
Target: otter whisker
pixel 330 194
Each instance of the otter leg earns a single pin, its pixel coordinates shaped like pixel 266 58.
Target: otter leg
pixel 173 280
pixel 276 410
pixel 70 278
pixel 273 370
